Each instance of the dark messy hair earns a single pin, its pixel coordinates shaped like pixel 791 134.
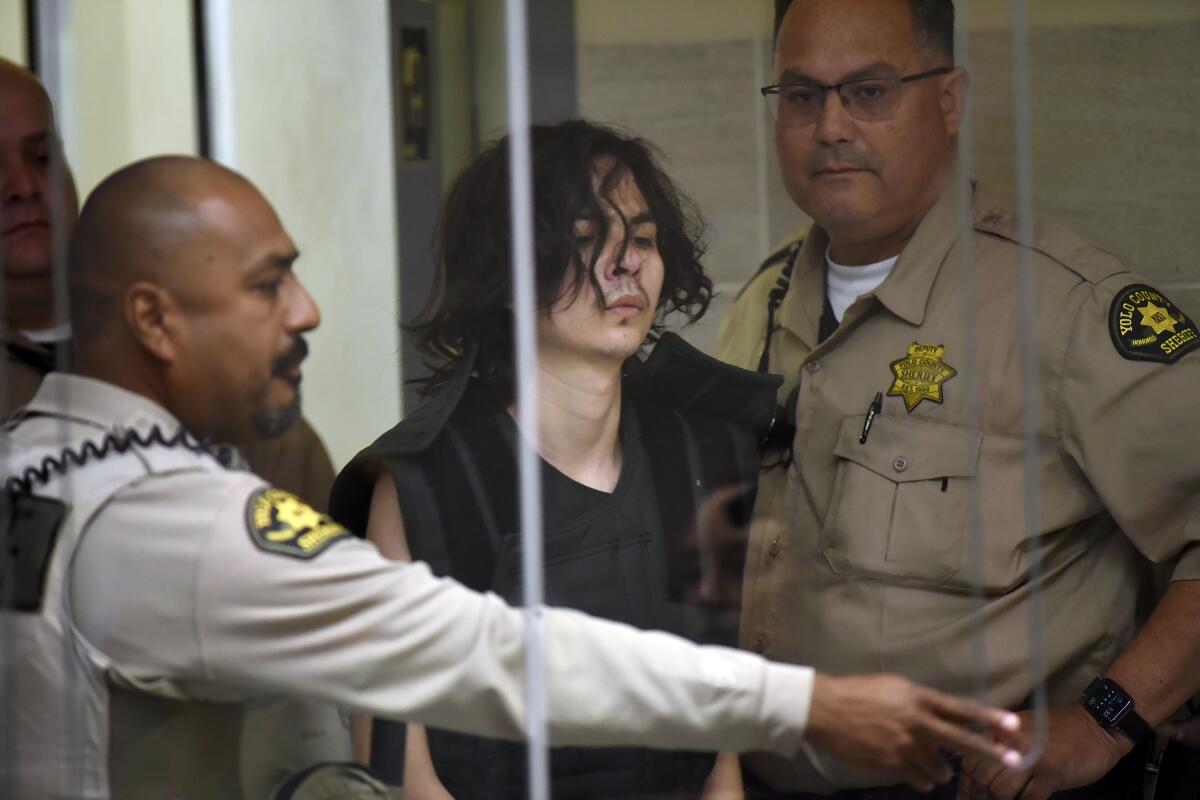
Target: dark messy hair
pixel 932 22
pixel 472 298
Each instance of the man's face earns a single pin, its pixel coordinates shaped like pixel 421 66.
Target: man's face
pixel 629 270
pixel 244 315
pixel 30 162
pixel 865 181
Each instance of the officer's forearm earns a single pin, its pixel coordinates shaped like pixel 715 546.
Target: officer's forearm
pixel 1158 669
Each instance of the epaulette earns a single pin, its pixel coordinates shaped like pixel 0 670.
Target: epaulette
pixel 679 376
pixel 350 497
pixel 1054 241
pixel 417 430
pixel 783 254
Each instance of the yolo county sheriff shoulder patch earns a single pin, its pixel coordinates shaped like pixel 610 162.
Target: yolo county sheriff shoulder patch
pixel 280 522
pixel 1146 326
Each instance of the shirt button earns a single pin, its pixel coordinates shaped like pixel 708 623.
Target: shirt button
pixel 813 366
pixel 774 549
pixel 900 464
pixel 760 644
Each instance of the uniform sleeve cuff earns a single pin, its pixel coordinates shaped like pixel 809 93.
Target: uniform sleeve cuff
pixel 787 698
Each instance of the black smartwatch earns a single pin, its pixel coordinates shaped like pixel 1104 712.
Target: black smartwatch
pixel 1112 707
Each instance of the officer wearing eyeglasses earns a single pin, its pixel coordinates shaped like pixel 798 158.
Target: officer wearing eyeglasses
pixel 962 444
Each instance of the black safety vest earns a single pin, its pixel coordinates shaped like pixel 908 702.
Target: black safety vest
pixel 689 425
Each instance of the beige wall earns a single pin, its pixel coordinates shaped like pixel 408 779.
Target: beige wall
pixel 313 111
pixel 128 84
pixel 12 30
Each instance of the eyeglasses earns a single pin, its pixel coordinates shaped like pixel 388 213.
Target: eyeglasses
pixel 794 105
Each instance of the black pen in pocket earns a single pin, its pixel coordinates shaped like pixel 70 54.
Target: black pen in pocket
pixel 876 407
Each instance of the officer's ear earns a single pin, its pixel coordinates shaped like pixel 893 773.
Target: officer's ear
pixel 953 98
pixel 151 315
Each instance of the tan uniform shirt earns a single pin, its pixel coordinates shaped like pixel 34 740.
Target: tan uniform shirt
pixel 200 587
pixel 912 552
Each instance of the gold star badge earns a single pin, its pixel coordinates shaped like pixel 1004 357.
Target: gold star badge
pixel 1157 319
pixel 920 375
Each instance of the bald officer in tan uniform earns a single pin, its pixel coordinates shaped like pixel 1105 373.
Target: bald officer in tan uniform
pixel 861 555
pixel 150 594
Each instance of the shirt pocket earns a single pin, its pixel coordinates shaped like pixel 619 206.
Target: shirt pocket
pixel 900 502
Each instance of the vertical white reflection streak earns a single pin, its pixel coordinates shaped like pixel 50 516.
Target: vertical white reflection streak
pixel 54 25
pixel 966 263
pixel 218 60
pixel 524 303
pixel 1022 119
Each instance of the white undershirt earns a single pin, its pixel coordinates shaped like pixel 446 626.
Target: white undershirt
pixel 845 284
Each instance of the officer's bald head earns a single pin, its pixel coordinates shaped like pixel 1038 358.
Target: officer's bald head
pixel 156 220
pixel 181 288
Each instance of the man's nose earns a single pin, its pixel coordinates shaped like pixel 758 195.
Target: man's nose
pixel 303 313
pixel 834 123
pixel 627 261
pixel 18 181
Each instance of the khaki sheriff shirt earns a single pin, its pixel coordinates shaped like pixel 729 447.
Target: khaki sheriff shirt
pixel 915 552
pixel 206 590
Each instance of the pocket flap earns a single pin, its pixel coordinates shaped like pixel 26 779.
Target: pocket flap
pixel 910 449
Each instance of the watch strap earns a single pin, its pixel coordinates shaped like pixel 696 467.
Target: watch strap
pixel 1133 726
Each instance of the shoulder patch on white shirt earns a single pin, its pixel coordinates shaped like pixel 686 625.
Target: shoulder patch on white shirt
pixel 280 522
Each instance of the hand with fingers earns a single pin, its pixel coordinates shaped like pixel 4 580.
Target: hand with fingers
pixel 889 723
pixel 1077 752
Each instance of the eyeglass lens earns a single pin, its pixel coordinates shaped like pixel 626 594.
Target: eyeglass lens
pixel 869 100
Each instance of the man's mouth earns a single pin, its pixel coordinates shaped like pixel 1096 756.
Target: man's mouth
pixel 287 366
pixel 839 170
pixel 627 305
pixel 29 225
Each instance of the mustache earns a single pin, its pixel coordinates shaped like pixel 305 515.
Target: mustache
pixel 291 359
pixel 838 156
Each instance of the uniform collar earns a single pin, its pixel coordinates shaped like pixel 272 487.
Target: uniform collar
pixel 99 403
pixel 801 309
pixel 905 292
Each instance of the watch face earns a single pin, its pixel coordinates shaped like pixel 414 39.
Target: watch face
pixel 1108 703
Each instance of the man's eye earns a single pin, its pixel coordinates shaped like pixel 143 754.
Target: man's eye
pixel 645 242
pixel 270 288
pixel 799 95
pixel 584 240
pixel 870 92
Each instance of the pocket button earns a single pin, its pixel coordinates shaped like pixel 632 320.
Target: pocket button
pixel 813 366
pixel 774 549
pixel 900 464
pixel 760 644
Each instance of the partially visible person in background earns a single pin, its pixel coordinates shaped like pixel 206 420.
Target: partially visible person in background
pixel 38 207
